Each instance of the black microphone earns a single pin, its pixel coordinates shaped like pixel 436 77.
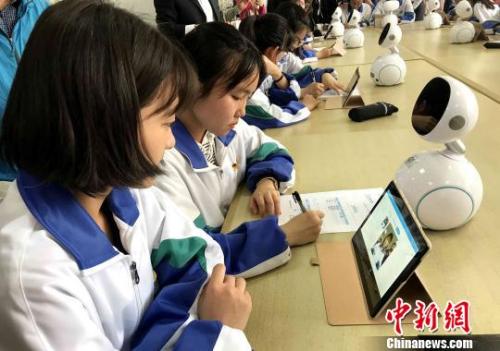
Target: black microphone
pixel 378 109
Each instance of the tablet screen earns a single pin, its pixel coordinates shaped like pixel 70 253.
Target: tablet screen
pixel 388 247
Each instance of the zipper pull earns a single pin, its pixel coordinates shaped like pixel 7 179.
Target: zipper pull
pixel 134 273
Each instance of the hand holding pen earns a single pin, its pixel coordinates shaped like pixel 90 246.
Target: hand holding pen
pixel 304 228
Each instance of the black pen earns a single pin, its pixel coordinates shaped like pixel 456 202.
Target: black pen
pixel 296 197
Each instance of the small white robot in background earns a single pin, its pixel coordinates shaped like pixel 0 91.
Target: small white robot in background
pixel 390 7
pixel 432 19
pixel 353 36
pixel 389 69
pixel 443 187
pixel 336 23
pixel 462 31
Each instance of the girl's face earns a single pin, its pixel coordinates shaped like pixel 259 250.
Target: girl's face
pixel 156 131
pixel 299 38
pixel 220 110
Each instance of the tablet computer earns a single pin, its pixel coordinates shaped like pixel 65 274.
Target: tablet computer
pixel 388 247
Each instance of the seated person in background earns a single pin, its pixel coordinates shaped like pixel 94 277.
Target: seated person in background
pixel 405 12
pixel 322 10
pixel 312 81
pixel 251 8
pixel 181 16
pixel 298 23
pixel 90 259
pixel 17 19
pixel 487 11
pixel 364 9
pixel 276 102
pixel 216 150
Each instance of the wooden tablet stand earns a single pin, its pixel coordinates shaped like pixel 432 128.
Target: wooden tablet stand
pixel 343 292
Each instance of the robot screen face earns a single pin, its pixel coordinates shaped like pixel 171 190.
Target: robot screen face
pixel 430 106
pixel 384 33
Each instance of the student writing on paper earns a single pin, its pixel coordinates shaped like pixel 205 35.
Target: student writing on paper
pixel 216 150
pixel 92 257
pixel 278 101
pixel 312 81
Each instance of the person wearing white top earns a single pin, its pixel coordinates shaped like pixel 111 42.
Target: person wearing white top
pixel 486 10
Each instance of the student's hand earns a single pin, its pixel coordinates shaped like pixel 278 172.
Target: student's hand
pixel 325 52
pixel 271 67
pixel 225 298
pixel 265 199
pixel 315 89
pixel 303 228
pixel 332 83
pixel 310 102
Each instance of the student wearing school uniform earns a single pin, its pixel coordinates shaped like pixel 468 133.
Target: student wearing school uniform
pixel 90 258
pixel 363 8
pixel 312 81
pixel 216 150
pixel 182 16
pixel 486 10
pixel 17 19
pixel 278 101
pixel 405 12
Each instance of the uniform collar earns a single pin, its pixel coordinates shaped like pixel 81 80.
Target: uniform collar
pixel 69 224
pixel 188 147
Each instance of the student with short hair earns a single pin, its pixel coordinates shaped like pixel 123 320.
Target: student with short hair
pixel 276 102
pixel 90 259
pixel 216 150
pixel 312 81
pixel 17 18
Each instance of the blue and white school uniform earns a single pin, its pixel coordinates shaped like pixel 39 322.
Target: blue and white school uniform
pixel 65 287
pixel 204 191
pixel 405 11
pixel 305 75
pixel 364 9
pixel 484 14
pixel 273 107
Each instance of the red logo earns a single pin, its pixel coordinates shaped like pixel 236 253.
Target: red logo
pixel 455 316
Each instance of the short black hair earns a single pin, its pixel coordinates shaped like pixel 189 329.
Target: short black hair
pixel 220 53
pixel 295 16
pixel 73 114
pixel 270 30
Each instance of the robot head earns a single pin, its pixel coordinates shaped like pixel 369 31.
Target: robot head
pixel 433 5
pixel 389 6
pixel 445 110
pixel 337 14
pixel 390 36
pixel 463 9
pixel 354 18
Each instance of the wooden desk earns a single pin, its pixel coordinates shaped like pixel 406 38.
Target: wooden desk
pixel 473 64
pixel 333 153
pixel 367 54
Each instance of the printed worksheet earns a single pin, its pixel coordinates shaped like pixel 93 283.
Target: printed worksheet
pixel 344 210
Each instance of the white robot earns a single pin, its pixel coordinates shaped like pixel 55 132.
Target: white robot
pixel 353 36
pixel 390 7
pixel 389 69
pixel 432 19
pixel 463 31
pixel 443 187
pixel 336 23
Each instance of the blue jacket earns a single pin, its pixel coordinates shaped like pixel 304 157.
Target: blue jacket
pixel 10 54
